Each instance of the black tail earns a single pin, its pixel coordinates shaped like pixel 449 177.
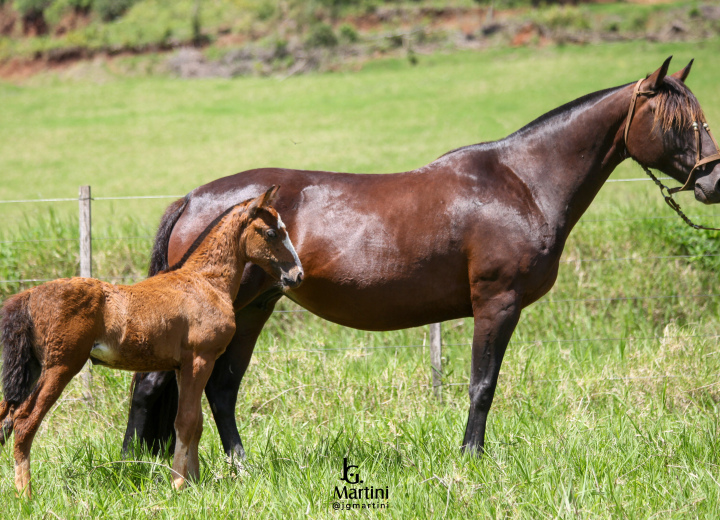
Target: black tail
pixel 159 256
pixel 21 368
pixel 154 402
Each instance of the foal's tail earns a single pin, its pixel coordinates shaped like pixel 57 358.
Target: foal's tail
pixel 159 256
pixel 20 369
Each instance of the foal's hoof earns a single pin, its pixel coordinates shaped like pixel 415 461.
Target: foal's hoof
pixel 178 483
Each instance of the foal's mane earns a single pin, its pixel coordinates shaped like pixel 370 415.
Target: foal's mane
pixel 201 237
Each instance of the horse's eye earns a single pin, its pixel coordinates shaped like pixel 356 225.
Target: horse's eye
pixel 271 233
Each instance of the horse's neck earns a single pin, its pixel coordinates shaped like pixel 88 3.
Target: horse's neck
pixel 220 259
pixel 566 158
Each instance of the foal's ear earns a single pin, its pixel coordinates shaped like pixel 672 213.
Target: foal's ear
pixel 684 73
pixel 655 79
pixel 261 201
pixel 270 194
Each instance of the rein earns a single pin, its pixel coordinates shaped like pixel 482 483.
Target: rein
pixel 699 161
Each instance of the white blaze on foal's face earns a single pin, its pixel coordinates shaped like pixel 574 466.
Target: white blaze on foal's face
pixel 269 247
pixel 286 240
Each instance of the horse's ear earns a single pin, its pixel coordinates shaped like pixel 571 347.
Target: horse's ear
pixel 654 80
pixel 684 73
pixel 262 200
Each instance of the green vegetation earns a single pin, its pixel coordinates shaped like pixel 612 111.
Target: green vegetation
pixel 625 425
pixel 61 30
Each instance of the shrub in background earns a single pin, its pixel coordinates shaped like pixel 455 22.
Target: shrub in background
pixel 348 33
pixel 28 7
pixel 112 9
pixel 32 13
pixel 321 35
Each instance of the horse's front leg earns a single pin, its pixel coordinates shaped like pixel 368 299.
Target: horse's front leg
pixel 495 318
pixel 222 388
pixel 152 412
pixel 192 378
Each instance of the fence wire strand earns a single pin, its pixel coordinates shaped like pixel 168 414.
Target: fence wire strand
pixel 396 347
pixel 512 342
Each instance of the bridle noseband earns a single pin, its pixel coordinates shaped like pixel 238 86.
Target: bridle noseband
pixel 699 161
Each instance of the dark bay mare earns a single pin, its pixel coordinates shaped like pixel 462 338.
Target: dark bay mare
pixel 478 232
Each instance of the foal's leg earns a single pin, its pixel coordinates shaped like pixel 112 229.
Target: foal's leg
pixel 29 415
pixel 495 319
pixel 193 455
pixel 222 388
pixel 192 378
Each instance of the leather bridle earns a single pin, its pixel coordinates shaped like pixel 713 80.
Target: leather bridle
pixel 699 160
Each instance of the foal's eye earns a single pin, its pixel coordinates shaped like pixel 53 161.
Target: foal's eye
pixel 271 233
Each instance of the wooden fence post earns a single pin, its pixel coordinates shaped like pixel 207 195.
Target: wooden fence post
pixel 436 357
pixel 85 268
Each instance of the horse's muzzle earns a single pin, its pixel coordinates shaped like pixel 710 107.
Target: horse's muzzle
pixel 707 187
pixel 707 193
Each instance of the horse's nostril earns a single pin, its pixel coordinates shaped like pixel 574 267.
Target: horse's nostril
pixel 299 277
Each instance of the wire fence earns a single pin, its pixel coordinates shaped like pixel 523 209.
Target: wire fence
pixel 547 301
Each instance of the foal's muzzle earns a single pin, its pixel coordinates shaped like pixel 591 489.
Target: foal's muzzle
pixel 293 278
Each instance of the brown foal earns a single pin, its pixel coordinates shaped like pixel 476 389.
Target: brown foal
pixel 181 319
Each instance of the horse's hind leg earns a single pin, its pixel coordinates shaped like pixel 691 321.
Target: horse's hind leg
pixel 222 388
pixel 152 411
pixel 192 378
pixel 6 421
pixel 29 415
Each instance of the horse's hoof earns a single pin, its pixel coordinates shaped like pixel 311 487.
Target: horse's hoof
pixel 178 483
pixel 236 463
pixel 6 431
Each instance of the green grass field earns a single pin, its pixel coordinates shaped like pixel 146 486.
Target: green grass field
pixel 607 404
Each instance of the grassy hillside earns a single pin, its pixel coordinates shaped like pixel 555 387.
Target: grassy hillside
pixel 300 35
pixel 607 401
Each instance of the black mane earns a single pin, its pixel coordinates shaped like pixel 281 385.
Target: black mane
pixel 562 109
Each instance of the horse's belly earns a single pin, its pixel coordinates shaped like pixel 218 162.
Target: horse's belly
pixel 136 360
pixel 385 305
pixel 101 354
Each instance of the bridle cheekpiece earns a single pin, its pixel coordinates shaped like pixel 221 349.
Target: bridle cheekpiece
pixel 699 161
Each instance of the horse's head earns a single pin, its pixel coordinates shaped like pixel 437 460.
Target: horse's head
pixel 666 129
pixel 267 243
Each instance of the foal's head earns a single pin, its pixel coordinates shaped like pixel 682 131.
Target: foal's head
pixel 267 243
pixel 662 136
